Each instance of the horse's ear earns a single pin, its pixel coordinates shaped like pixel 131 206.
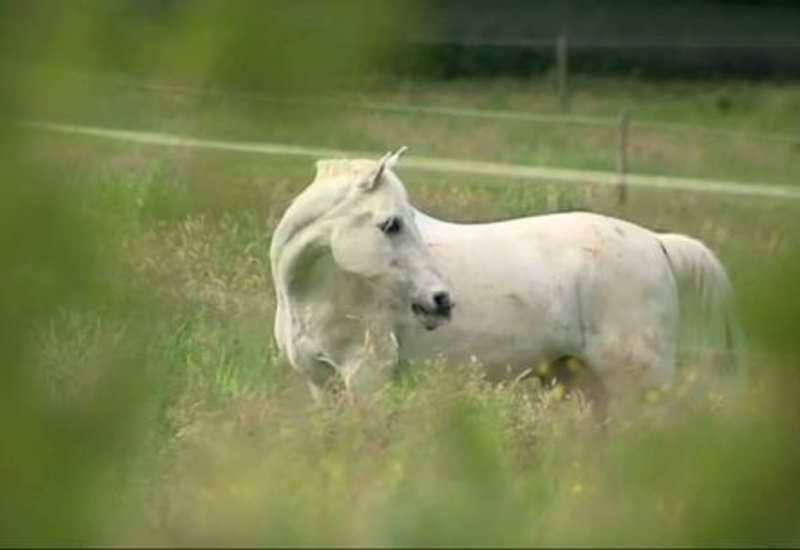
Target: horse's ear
pixel 389 160
pixel 395 157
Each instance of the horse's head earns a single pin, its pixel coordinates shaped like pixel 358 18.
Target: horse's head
pixel 375 236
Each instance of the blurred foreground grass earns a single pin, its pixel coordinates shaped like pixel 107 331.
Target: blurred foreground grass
pixel 140 402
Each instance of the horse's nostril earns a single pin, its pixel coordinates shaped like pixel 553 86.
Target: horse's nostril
pixel 442 301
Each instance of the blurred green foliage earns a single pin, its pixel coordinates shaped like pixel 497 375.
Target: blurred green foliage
pixel 71 421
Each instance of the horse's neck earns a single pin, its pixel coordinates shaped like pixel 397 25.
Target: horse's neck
pixel 427 219
pixel 431 227
pixel 421 217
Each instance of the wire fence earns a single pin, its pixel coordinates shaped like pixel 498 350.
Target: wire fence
pixel 432 164
pixel 622 125
pixel 343 101
pixel 468 112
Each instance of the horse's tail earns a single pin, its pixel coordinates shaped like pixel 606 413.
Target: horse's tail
pixel 710 324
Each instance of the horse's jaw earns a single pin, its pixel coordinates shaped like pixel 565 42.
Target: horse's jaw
pixel 430 319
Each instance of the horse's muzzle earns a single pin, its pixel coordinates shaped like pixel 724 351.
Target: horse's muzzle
pixel 443 303
pixel 436 311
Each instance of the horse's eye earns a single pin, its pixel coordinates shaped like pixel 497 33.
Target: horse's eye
pixel 391 225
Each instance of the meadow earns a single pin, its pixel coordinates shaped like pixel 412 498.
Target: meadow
pixel 146 405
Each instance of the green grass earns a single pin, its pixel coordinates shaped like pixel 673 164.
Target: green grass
pixel 142 402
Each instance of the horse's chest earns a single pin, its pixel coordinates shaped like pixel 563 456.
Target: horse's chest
pixel 326 329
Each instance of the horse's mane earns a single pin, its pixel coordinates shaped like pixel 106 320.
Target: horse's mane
pixel 333 180
pixel 339 168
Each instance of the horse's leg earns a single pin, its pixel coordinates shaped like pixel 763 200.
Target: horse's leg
pixel 321 375
pixel 369 369
pixel 328 394
pixel 632 362
pixel 629 316
pixel 632 347
pixel 367 376
pixel 320 394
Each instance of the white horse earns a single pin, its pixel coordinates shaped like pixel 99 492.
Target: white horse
pixel 349 268
pixel 362 278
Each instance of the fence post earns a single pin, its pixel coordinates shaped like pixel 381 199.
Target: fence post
pixel 622 155
pixel 562 68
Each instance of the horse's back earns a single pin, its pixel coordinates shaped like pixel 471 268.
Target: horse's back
pixel 555 240
pixel 562 225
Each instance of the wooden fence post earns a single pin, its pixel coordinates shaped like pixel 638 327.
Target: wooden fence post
pixel 622 155
pixel 562 68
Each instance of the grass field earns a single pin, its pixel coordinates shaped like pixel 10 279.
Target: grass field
pixel 145 406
